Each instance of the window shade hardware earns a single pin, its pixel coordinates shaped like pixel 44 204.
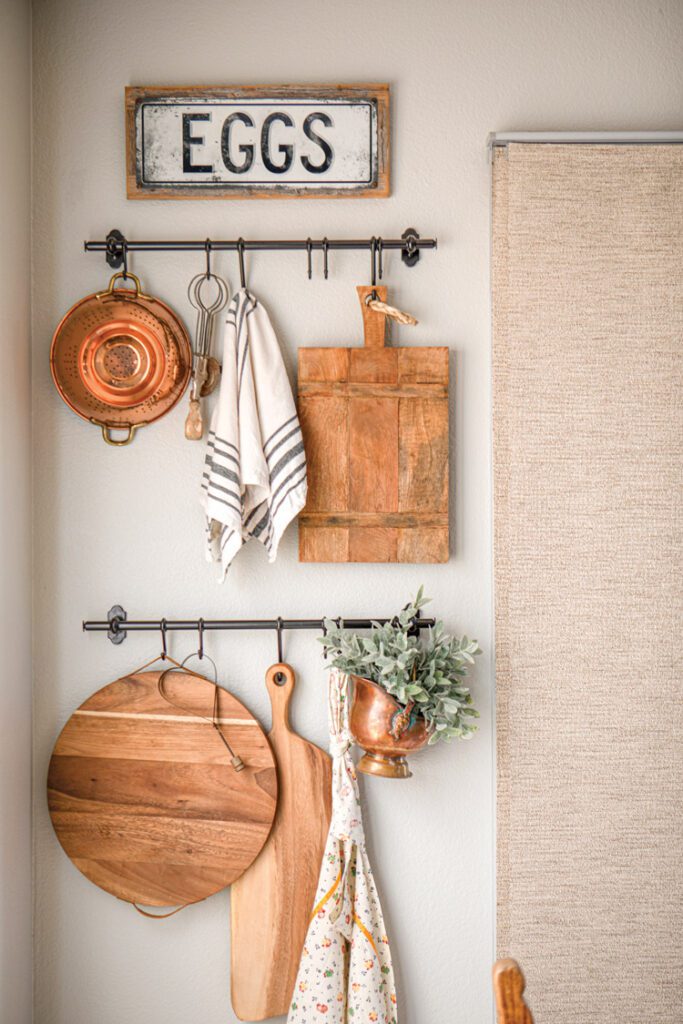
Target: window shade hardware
pixel 117 624
pixel 117 246
pixel 661 138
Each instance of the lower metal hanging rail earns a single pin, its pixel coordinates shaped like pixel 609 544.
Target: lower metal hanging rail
pixel 117 624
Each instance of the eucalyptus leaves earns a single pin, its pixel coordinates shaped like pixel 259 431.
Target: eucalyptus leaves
pixel 428 674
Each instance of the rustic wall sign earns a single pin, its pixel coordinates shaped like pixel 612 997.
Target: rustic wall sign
pixel 257 141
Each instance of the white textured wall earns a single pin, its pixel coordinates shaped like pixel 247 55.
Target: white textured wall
pixel 124 526
pixel 15 513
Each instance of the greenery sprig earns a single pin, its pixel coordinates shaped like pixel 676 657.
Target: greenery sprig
pixel 425 672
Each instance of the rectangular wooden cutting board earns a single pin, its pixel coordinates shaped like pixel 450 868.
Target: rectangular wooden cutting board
pixel 375 427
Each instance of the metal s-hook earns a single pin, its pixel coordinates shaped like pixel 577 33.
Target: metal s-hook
pixel 163 627
pixel 279 677
pixel 380 258
pixel 207 249
pixel 373 266
pixel 309 257
pixel 240 253
pixel 200 630
pixel 326 249
pixel 414 628
pixel 279 638
pixel 124 245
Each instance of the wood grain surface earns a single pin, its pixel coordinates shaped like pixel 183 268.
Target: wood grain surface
pixel 508 988
pixel 142 794
pixel 271 903
pixel 375 426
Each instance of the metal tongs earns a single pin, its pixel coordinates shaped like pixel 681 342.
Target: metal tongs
pixel 206 369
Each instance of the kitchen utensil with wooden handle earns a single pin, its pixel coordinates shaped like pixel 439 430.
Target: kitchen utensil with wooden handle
pixel 271 903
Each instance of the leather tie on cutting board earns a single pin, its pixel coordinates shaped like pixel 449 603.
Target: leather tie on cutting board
pixel 271 903
pixel 375 427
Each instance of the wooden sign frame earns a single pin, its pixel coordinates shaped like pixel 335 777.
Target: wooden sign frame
pixel 365 174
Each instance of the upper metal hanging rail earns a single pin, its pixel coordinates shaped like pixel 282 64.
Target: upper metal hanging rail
pixel 117 246
pixel 117 624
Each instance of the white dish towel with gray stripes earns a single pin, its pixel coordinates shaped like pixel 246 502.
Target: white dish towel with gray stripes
pixel 254 480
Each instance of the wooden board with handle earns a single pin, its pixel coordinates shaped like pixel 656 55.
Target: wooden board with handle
pixel 142 794
pixel 375 427
pixel 271 903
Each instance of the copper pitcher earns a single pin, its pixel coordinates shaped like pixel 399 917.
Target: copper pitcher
pixel 386 730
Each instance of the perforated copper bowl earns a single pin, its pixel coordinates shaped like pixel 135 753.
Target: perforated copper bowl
pixel 121 359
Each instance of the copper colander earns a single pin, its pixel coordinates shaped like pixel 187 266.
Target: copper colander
pixel 121 359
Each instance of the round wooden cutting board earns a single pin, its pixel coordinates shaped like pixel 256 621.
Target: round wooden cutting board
pixel 142 794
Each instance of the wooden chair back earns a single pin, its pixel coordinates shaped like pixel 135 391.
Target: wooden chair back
pixel 508 986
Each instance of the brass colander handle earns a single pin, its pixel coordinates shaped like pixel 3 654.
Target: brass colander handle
pixel 107 435
pixel 137 294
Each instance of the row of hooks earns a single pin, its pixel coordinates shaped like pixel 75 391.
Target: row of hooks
pixel 163 629
pixel 279 677
pixel 279 626
pixel 376 260
pixel 117 247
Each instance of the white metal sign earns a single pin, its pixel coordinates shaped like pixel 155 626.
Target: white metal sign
pixel 258 142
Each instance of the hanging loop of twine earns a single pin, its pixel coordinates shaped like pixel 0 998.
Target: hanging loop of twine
pixel 391 311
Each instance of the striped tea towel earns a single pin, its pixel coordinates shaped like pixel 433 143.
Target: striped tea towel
pixel 254 480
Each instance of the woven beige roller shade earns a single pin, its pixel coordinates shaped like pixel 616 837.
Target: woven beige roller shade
pixel 588 456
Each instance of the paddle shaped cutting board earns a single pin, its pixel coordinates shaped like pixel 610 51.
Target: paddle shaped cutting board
pixel 271 903
pixel 375 428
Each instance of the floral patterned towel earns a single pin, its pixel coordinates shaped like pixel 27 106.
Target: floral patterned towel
pixel 345 975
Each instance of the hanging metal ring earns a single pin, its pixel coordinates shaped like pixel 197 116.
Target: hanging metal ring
pixel 240 253
pixel 235 759
pixel 207 249
pixel 326 249
pixel 163 627
pixel 309 257
pixel 200 630
pixel 206 657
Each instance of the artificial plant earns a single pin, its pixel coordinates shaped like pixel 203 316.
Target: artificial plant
pixel 425 673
